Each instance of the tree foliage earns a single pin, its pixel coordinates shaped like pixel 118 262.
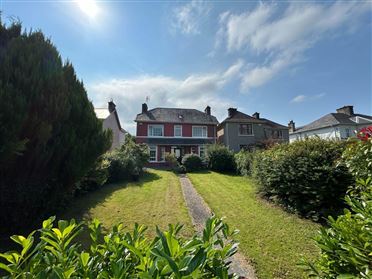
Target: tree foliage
pixel 49 134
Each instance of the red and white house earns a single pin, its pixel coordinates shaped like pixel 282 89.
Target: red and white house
pixel 175 130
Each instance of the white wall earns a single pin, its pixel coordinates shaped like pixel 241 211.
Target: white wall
pixel 117 135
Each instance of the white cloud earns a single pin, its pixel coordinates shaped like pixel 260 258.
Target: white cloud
pixel 188 18
pixel 194 91
pixel 304 98
pixel 283 36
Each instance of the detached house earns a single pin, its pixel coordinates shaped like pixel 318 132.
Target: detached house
pixel 110 120
pixel 175 130
pixel 339 125
pixel 241 131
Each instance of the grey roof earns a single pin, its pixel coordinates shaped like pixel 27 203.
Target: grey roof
pixel 240 117
pixel 329 120
pixel 176 115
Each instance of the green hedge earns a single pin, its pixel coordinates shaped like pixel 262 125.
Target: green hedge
pixel 306 176
pixel 220 158
pixel 120 254
pixel 244 162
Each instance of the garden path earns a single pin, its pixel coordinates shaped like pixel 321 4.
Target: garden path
pixel 200 212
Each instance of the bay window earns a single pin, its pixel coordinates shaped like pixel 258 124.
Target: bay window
pixel 153 153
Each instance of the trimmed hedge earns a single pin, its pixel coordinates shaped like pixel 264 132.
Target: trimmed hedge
pixel 57 253
pixel 306 177
pixel 220 158
pixel 244 162
pixel 192 162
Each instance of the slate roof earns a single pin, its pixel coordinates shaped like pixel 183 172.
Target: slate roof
pixel 176 115
pixel 329 120
pixel 240 117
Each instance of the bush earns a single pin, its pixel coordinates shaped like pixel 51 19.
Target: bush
pixel 171 160
pixel 244 162
pixel 192 162
pixel 95 178
pixel 128 161
pixel 220 158
pixel 358 158
pixel 49 134
pixel 121 254
pixel 304 176
pixel 346 245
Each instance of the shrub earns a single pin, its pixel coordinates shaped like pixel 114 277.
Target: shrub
pixel 121 254
pixel 171 160
pixel 304 176
pixel 128 161
pixel 95 178
pixel 358 158
pixel 346 245
pixel 49 134
pixel 220 158
pixel 244 162
pixel 192 162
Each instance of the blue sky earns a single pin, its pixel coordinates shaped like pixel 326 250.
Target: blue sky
pixel 287 60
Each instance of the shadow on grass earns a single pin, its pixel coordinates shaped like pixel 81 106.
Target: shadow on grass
pixel 80 207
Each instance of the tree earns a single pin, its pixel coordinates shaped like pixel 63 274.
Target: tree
pixel 49 134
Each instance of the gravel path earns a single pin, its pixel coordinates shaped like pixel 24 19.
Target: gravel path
pixel 200 212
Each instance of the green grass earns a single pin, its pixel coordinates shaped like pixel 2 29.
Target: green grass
pixel 154 200
pixel 271 238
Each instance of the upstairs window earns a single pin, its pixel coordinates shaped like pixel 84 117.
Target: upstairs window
pixel 156 131
pixel 199 131
pixel 178 131
pixel 245 130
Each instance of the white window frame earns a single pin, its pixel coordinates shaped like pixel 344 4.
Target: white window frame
pixel 162 153
pixel 156 152
pixel 204 150
pixel 245 135
pixel 174 131
pixel 202 127
pixel 155 126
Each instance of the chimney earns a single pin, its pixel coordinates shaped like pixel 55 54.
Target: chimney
pixel 291 126
pixel 349 110
pixel 144 108
pixel 208 110
pixel 232 111
pixel 256 115
pixel 111 106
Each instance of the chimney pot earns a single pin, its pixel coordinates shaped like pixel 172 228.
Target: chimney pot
pixel 208 110
pixel 111 106
pixel 144 108
pixel 232 111
pixel 256 115
pixel 349 110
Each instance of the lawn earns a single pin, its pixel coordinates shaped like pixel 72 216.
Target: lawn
pixel 274 240
pixel 154 200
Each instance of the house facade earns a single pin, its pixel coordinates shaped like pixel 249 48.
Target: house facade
pixel 242 131
pixel 174 130
pixel 110 120
pixel 341 125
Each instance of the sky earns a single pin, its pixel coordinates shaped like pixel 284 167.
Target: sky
pixel 287 60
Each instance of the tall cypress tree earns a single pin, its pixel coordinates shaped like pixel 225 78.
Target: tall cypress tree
pixel 49 134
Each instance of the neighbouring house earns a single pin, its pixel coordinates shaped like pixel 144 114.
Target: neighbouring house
pixel 340 125
pixel 110 120
pixel 242 131
pixel 175 130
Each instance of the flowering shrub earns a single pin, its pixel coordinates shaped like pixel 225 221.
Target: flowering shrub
pixel 119 254
pixel 365 133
